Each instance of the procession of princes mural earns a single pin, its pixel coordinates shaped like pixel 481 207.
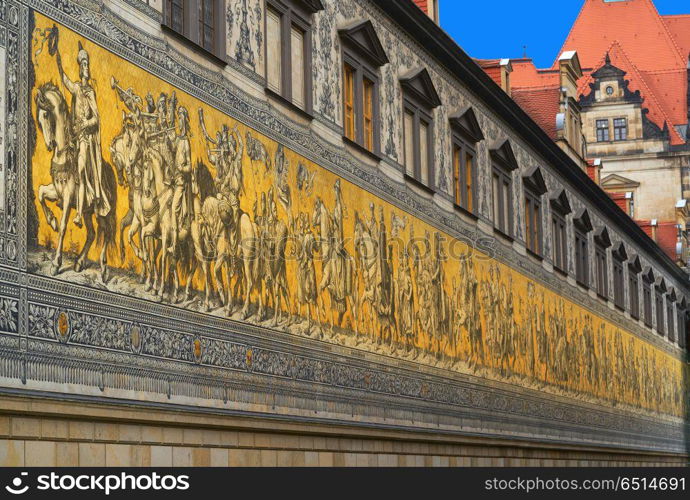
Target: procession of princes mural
pixel 145 191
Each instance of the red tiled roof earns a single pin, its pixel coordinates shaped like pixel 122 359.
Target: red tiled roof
pixel 423 4
pixel 620 199
pixel 635 24
pixel 491 67
pixel 679 27
pixel 652 49
pixel 659 90
pixel 542 104
pixel 526 74
pixel 647 227
pixel 666 235
pixel 592 170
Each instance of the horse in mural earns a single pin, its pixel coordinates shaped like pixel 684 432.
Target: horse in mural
pixel 54 122
pixel 140 169
pixel 213 249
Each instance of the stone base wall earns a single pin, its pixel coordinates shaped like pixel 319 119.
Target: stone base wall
pixel 51 433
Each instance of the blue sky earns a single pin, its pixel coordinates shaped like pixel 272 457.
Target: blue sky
pixel 500 28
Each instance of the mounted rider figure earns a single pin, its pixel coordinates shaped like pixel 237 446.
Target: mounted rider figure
pixel 86 130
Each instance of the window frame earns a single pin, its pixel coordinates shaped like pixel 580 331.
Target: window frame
pixel 582 227
pixel 192 22
pixel 647 281
pixel 533 190
pixel 601 262
pixel 616 129
pixel 634 271
pixel 606 130
pixel 619 257
pixel 420 114
pixel 660 306
pixel 670 316
pixel 682 323
pixel 462 146
pixel 560 209
pixel 420 99
pixel 292 13
pixel 466 134
pixel 362 51
pixel 503 164
pixel 505 182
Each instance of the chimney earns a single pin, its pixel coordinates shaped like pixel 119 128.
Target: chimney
pixel 499 70
pixel 430 8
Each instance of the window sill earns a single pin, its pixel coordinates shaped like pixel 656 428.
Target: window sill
pixel 560 271
pixel 419 184
pixel 535 255
pixel 193 45
pixel 503 235
pixel 289 104
pixel 466 212
pixel 371 154
pixel 636 318
pixel 620 308
pixel 582 284
pixel 603 297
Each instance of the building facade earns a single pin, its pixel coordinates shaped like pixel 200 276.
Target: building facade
pixel 632 95
pixel 310 233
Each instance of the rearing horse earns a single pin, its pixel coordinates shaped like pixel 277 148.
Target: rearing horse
pixel 54 122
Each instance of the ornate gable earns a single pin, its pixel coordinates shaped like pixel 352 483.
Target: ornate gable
pixel 561 203
pixel 362 37
pixel 616 182
pixel 582 220
pixel 466 122
pixel 502 152
pixel 534 180
pixel 418 83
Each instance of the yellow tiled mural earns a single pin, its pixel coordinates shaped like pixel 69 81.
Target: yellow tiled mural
pixel 146 191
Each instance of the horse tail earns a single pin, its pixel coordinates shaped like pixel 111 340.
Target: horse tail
pixel 107 226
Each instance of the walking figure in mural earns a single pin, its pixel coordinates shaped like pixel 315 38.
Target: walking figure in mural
pixel 405 302
pixel 304 250
pixel 470 304
pixel 273 253
pixel 81 178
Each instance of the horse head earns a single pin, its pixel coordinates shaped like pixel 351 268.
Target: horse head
pixel 52 116
pixel 126 150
